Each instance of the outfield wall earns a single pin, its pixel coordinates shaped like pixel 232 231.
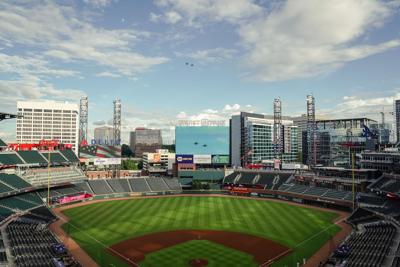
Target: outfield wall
pixel 261 193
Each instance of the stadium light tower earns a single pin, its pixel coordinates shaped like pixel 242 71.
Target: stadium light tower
pixel 83 120
pixel 277 128
pixel 117 121
pixel 311 131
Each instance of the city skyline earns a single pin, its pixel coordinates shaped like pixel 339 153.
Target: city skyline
pixel 179 60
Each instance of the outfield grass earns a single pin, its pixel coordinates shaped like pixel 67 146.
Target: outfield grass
pixel 99 225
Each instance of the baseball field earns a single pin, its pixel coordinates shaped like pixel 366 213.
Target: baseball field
pixel 198 231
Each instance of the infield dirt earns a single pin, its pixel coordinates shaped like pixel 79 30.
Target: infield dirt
pixel 135 249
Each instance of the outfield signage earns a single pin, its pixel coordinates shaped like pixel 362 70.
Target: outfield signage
pixel 106 161
pixel 202 159
pixel 220 159
pixel 184 158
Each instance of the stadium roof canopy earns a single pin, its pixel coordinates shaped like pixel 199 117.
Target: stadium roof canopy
pixel 5 116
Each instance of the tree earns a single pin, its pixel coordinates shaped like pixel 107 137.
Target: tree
pixel 129 165
pixel 126 151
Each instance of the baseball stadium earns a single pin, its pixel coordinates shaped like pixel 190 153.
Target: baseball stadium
pixel 152 221
pixel 54 214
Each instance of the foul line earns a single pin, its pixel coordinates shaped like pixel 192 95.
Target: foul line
pixel 96 240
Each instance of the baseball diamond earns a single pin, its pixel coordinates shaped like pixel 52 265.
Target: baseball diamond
pixel 198 231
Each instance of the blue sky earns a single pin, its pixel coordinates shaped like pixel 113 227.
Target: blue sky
pixel 245 53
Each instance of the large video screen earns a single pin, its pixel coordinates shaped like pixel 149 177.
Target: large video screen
pixel 202 140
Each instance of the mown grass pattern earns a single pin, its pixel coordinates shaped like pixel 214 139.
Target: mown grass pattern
pixel 217 255
pixel 99 225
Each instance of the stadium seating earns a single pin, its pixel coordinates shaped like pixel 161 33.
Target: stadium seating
pixel 40 176
pixel 119 185
pixel 32 157
pixel 10 158
pixel 272 180
pixel 157 184
pixel 370 245
pixel 371 200
pixel 335 194
pixel 230 178
pixel 32 243
pixel 173 184
pixel 4 188
pixel 316 191
pixel 5 212
pixel 16 203
pixel 100 187
pixel 246 178
pixel 69 155
pixel 55 157
pixel 139 185
pixel 14 181
pixel 84 187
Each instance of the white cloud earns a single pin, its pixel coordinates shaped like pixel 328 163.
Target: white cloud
pixel 207 56
pixel 355 106
pixel 293 39
pixel 172 17
pixel 99 3
pixel 108 74
pixel 59 32
pixel 308 38
pixel 30 65
pixel 32 87
pixel 155 17
pixel 204 11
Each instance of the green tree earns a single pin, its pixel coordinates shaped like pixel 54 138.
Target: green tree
pixel 126 151
pixel 129 165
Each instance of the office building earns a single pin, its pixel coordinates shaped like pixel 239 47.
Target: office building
pixel 387 161
pixel 104 135
pixel 159 163
pixel 251 140
pixel 145 140
pixel 47 120
pixel 337 139
pixel 396 114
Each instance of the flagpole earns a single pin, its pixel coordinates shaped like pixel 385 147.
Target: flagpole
pixel 353 179
pixel 48 179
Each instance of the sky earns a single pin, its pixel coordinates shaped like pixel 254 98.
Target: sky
pixel 244 54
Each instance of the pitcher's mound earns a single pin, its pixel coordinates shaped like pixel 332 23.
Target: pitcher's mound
pixel 198 262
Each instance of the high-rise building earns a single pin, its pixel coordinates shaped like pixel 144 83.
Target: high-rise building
pixel 145 140
pixel 396 112
pixel 337 139
pixel 48 120
pixel 104 135
pixel 251 139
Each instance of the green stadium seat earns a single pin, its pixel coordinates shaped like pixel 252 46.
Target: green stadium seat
pixel 16 203
pixel 32 157
pixel 4 188
pixel 10 159
pixel 55 157
pixel 14 181
pixel 70 155
pixel 31 197
pixel 5 212
pixel 2 143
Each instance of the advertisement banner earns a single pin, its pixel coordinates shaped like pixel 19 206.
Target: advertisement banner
pixel 156 158
pixel 202 159
pixel 184 158
pixel 220 159
pixel 106 161
pixel 73 198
